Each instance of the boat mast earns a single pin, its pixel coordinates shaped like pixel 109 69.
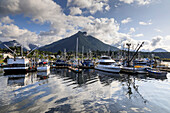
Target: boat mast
pixel 108 51
pixel 128 44
pixel 64 54
pixel 82 53
pixel 22 51
pixel 77 49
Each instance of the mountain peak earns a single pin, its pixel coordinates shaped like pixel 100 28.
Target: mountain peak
pixel 86 41
pixel 80 32
pixel 159 50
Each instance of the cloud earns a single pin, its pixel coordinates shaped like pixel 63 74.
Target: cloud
pixel 13 32
pixel 91 5
pixel 132 30
pixel 145 23
pixel 6 20
pixel 139 35
pixel 127 20
pixel 61 25
pixel 75 11
pixel 158 30
pixel 107 8
pixel 40 11
pixel 156 40
pixel 139 2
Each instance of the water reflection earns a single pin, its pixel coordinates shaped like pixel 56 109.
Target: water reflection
pixel 90 91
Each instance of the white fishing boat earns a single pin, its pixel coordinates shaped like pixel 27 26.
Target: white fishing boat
pixel 107 64
pixel 17 65
pixel 43 66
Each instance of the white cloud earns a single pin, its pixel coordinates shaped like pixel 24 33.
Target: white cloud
pixel 6 20
pixel 13 32
pixel 145 23
pixel 127 20
pixel 91 5
pixel 107 8
pixel 139 35
pixel 42 11
pixel 158 30
pixel 132 30
pixel 140 2
pixel 75 11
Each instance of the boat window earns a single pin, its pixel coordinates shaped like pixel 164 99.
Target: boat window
pixel 105 58
pixel 17 65
pixel 106 63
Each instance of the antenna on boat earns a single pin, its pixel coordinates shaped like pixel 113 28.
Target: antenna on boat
pixel 31 51
pixel 10 49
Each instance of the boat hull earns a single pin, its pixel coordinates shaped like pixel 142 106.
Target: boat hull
pixel 156 73
pixel 46 68
pixel 15 70
pixel 134 70
pixel 108 69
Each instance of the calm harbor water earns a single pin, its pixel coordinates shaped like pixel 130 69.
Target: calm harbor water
pixel 89 91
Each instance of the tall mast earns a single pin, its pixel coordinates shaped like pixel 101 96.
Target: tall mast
pixel 82 53
pixel 64 54
pixel 77 49
pixel 21 50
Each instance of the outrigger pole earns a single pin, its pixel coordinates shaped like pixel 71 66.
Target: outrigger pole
pixel 10 49
pixel 31 51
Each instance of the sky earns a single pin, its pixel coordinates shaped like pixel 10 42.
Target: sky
pixel 114 22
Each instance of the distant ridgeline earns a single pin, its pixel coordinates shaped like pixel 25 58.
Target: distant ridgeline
pixel 162 55
pixel 84 40
pixel 15 43
pixel 89 43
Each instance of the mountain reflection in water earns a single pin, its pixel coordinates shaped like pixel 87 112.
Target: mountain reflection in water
pixel 89 91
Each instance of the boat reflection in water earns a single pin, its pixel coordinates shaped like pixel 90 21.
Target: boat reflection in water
pixel 89 91
pixel 21 79
pixel 43 74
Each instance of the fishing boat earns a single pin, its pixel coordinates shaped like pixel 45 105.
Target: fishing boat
pixel 138 67
pixel 107 64
pixel 61 63
pixel 43 66
pixel 154 72
pixel 17 65
pixel 87 63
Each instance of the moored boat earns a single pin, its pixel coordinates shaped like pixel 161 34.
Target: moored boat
pixel 107 64
pixel 43 66
pixel 17 65
pixel 154 72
